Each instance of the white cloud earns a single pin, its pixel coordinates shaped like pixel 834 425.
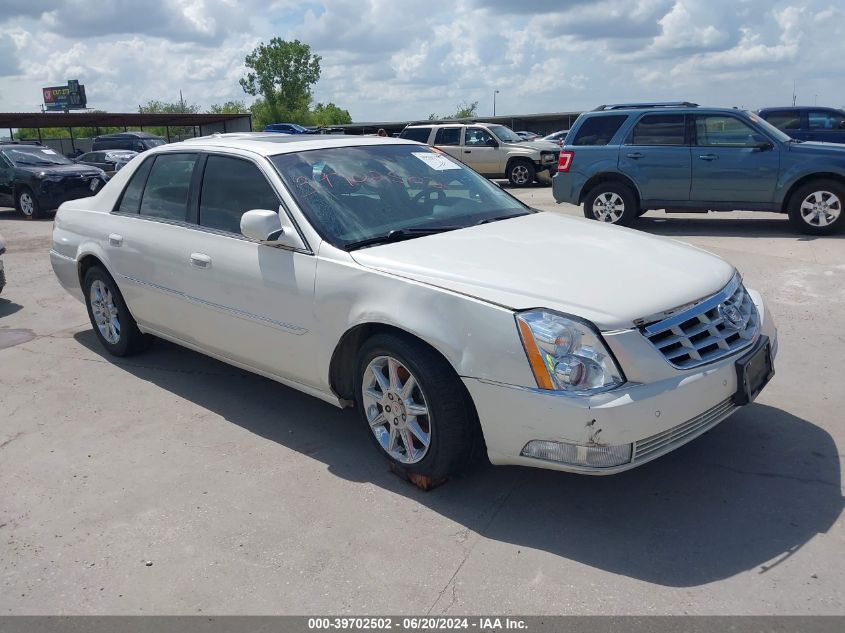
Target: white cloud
pixel 384 59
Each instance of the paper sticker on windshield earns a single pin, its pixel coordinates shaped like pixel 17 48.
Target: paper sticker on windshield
pixel 48 151
pixel 437 162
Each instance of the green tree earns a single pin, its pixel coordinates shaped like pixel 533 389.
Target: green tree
pixel 329 114
pixel 230 107
pixel 154 106
pixel 465 110
pixel 282 74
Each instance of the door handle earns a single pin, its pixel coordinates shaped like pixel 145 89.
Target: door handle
pixel 635 155
pixel 708 156
pixel 467 151
pixel 115 239
pixel 200 260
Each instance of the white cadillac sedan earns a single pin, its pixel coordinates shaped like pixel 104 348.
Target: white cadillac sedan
pixel 381 274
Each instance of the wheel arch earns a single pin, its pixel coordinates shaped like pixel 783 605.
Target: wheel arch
pixel 599 178
pixel 803 180
pixel 88 258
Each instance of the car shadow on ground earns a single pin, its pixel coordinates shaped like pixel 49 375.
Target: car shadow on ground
pixel 7 307
pixel 710 225
pixel 745 496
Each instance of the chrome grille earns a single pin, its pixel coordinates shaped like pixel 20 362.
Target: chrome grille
pixel 683 433
pixel 712 329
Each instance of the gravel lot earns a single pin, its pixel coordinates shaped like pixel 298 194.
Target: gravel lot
pixel 248 497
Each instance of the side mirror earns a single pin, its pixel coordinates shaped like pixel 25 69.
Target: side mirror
pixel 763 146
pixel 265 226
pixel 842 124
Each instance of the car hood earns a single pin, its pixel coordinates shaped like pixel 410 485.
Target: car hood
pixel 609 275
pixel 62 170
pixel 536 145
pixel 818 149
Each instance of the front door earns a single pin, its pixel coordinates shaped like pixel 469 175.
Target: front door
pixel 7 182
pixel 249 302
pixel 657 157
pixel 728 163
pixel 481 152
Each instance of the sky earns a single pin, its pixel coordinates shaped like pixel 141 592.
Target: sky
pixel 395 60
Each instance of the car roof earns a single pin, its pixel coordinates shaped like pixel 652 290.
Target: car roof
pixel 119 135
pixel 627 111
pixel 269 144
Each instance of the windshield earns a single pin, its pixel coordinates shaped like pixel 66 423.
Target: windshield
pixel 357 194
pixel 768 127
pixel 34 155
pixel 505 134
pixel 154 142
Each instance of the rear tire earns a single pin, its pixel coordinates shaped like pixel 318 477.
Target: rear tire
pixel 27 204
pixel 613 203
pixel 110 318
pixel 406 393
pixel 521 173
pixel 817 207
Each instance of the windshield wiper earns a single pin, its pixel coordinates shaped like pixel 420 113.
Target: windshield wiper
pixel 501 217
pixel 398 235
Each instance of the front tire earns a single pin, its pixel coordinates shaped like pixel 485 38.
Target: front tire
pixel 414 406
pixel 27 204
pixel 110 318
pixel 521 173
pixel 611 202
pixel 816 208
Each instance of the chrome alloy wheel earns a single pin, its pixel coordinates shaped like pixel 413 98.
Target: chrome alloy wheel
pixel 608 207
pixel 27 203
pixel 105 312
pixel 821 208
pixel 396 410
pixel 520 175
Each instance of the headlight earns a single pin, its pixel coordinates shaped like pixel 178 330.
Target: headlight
pixel 547 157
pixel 50 177
pixel 567 354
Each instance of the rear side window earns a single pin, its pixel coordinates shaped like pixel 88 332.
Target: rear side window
pixel 168 185
pixel 230 188
pixel 598 130
pixel 785 119
pixel 448 136
pixel 130 202
pixel 825 120
pixel 419 134
pixel 659 129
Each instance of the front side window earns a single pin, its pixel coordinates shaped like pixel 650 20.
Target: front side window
pixel 478 137
pixel 825 120
pixel 230 188
pixel 368 193
pixel 785 119
pixel 725 131
pixel 448 136
pixel 168 186
pixel 598 130
pixel 660 129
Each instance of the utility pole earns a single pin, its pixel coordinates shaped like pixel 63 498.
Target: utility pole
pixel 793 93
pixel 495 92
pixel 181 101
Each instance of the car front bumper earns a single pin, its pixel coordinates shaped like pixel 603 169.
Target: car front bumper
pixel 650 419
pixel 51 194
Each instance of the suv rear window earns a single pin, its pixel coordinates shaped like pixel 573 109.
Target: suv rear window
pixel 419 134
pixel 598 130
pixel 659 129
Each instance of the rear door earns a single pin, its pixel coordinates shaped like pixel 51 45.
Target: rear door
pixel 826 126
pixel 728 165
pixel 448 139
pixel 656 155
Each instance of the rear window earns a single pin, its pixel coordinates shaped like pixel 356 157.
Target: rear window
pixel 419 134
pixel 659 129
pixel 785 119
pixel 598 130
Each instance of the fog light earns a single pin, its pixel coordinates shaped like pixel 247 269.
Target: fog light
pixel 578 455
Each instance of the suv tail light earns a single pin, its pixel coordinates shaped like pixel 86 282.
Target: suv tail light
pixel 565 160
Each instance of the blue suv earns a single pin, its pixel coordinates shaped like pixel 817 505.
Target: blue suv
pixel 620 161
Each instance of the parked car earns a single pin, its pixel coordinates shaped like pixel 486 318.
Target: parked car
pixel 383 275
pixel 557 138
pixel 2 270
pixel 288 128
pixel 826 125
pixel 35 179
pixel 493 150
pixel 528 136
pixel 108 161
pixel 621 161
pixel 134 141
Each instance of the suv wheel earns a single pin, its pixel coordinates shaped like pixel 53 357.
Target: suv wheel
pixel 816 208
pixel 611 202
pixel 521 173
